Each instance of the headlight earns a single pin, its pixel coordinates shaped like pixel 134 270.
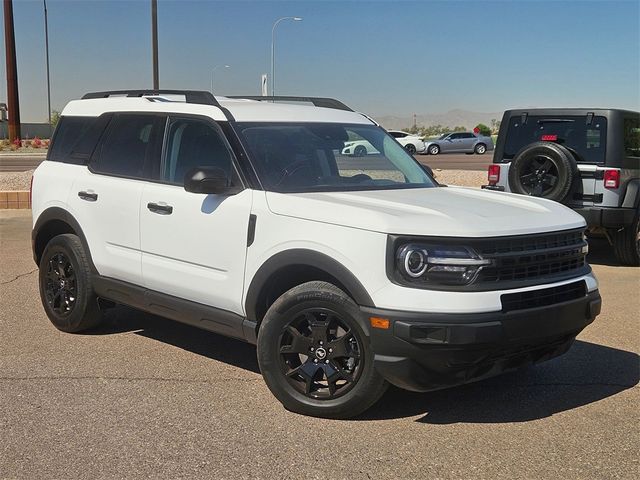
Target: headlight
pixel 438 264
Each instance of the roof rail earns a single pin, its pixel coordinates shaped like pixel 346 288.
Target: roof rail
pixel 191 96
pixel 317 101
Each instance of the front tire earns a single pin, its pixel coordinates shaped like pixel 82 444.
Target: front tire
pixel 480 149
pixel 434 150
pixel 315 356
pixel 66 290
pixel 626 243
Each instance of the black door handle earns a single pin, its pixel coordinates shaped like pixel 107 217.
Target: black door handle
pixel 160 209
pixel 88 196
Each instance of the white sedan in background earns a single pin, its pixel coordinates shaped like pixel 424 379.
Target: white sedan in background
pixel 412 143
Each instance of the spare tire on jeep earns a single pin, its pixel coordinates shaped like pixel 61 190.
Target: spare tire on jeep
pixel 543 169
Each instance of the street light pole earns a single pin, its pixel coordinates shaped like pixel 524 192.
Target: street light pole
pixel 46 47
pixel 13 102
pixel 273 49
pixel 154 43
pixel 212 72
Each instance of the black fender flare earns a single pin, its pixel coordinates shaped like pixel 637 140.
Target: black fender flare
pixel 52 214
pixel 304 257
pixel 632 194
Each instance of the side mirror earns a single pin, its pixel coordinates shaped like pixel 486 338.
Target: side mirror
pixel 210 180
pixel 427 169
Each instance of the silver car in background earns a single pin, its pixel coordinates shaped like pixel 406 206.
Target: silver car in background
pixel 459 142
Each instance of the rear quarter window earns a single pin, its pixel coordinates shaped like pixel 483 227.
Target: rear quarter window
pixel 632 137
pixel 70 143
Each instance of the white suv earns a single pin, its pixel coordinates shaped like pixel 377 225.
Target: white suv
pixel 243 218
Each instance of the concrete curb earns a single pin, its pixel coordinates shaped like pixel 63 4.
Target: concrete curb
pixel 14 199
pixel 24 154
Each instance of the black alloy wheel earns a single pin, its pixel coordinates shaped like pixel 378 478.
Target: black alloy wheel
pixel 66 289
pixel 544 169
pixel 319 354
pixel 539 175
pixel 411 148
pixel 60 287
pixel 315 354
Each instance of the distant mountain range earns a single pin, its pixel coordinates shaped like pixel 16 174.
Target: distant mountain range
pixel 452 119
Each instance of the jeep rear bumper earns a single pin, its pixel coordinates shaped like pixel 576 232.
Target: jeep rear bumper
pixel 607 217
pixel 423 351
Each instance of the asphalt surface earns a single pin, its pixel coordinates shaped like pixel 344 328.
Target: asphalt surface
pixel 24 162
pixel 145 397
pixel 20 162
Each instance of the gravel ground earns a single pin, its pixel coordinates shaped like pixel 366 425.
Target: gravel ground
pixel 15 180
pixel 465 178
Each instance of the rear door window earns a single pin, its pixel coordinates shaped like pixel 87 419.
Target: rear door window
pixel 586 141
pixel 131 146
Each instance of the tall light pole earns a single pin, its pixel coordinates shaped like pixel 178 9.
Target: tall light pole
pixel 46 48
pixel 213 71
pixel 13 102
pixel 154 43
pixel 273 49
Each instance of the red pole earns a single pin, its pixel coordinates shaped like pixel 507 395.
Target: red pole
pixel 13 103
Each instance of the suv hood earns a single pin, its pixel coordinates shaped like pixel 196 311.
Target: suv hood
pixel 450 211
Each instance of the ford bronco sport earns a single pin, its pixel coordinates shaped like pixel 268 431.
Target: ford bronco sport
pixel 242 217
pixel 588 159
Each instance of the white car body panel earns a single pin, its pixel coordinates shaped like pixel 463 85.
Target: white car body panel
pixel 446 212
pixel 363 253
pixel 52 184
pixel 111 224
pixel 205 263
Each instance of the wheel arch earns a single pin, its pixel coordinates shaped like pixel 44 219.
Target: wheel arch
pixel 290 268
pixel 52 222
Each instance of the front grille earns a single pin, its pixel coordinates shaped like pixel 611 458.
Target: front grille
pixel 531 257
pixel 543 297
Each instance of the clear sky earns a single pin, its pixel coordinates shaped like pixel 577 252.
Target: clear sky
pixel 381 57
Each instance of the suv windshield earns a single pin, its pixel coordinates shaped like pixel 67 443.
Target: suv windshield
pixel 311 157
pixel 586 141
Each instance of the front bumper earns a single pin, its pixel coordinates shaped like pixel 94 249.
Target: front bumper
pixel 495 188
pixel 422 351
pixel 607 217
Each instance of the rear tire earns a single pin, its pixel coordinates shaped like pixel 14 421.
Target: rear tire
pixel 543 169
pixel 309 336
pixel 66 290
pixel 626 243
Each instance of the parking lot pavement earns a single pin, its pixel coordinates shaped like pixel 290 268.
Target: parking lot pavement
pixel 145 397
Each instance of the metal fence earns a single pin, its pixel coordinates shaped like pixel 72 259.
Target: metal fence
pixel 28 130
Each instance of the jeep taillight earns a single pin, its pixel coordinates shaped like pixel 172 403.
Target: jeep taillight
pixel 611 178
pixel 494 174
